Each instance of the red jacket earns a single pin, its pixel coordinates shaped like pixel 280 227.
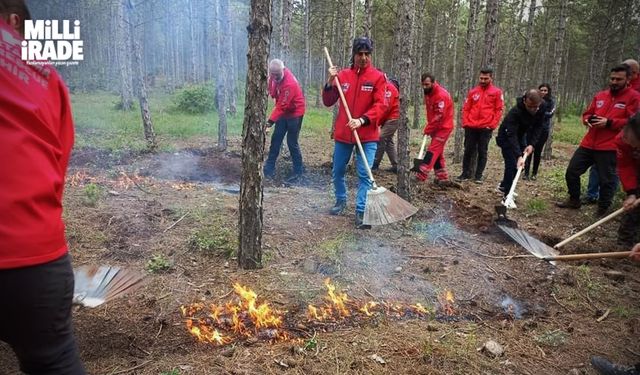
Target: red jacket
pixel 439 107
pixel 364 90
pixel 628 166
pixel 289 97
pixel 483 108
pixel 392 100
pixel 635 84
pixel 617 109
pixel 36 136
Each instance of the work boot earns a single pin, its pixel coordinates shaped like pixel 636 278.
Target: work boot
pixel 525 177
pixel 393 169
pixel 602 211
pixel 338 208
pixel 479 180
pixel 589 201
pixel 534 177
pixel 462 177
pixel 569 203
pixel 293 178
pixel 605 367
pixel 359 223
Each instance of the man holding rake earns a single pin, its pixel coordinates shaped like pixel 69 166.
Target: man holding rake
pixel 364 89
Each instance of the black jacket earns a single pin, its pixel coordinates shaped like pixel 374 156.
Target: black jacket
pixel 520 129
pixel 550 103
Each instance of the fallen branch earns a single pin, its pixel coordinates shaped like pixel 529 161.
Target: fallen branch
pixel 428 256
pixel 131 368
pixel 135 183
pixel 174 224
pixel 565 307
pixel 604 316
pixel 368 293
pixel 507 257
pixel 632 352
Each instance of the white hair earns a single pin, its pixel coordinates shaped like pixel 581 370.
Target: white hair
pixel 632 64
pixel 277 63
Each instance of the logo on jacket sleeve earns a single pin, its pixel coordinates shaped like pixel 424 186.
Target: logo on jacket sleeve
pixel 441 104
pixel 620 106
pixel 599 103
pixel 476 97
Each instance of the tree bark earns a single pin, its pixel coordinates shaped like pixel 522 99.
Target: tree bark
pixel 558 52
pixel 253 137
pixel 474 6
pixel 525 79
pixel 306 72
pixel 222 85
pixel 403 65
pixel 286 26
pixel 124 57
pixel 368 15
pixel 491 34
pixel 418 103
pixel 147 123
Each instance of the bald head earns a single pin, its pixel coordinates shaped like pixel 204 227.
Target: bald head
pixel 633 66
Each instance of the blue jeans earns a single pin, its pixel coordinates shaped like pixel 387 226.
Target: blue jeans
pixel 593 189
pixel 341 156
pixel 290 127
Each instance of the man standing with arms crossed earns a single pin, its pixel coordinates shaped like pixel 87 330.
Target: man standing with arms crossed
pixel 481 114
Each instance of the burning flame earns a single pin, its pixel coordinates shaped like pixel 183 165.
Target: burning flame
pixel 339 306
pixel 446 301
pixel 220 325
pixel 247 317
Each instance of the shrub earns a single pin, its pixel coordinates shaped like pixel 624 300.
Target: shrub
pixel 195 99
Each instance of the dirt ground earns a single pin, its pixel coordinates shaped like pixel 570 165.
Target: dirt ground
pixel 549 319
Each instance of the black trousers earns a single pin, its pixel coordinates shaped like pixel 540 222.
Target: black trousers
pixel 629 230
pixel 605 163
pixel 537 153
pixel 35 318
pixel 510 168
pixel 475 141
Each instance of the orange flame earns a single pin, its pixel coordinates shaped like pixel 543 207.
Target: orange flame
pixel 446 303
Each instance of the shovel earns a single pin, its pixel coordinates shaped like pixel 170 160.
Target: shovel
pixel 418 162
pixel 383 206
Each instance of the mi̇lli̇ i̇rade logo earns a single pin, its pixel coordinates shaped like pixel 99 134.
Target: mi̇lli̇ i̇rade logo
pixel 52 42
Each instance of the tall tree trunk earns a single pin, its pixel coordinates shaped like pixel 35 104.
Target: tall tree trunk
pixel 474 6
pixel 253 137
pixel 368 15
pixel 286 26
pixel 228 64
pixel 222 91
pixel 276 35
pixel 306 72
pixel 149 132
pixel 418 103
pixel 192 44
pixel 124 57
pixel 524 78
pixel 558 52
pixel 404 34
pixel 490 34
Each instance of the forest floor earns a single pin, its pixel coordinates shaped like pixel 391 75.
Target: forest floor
pixel 174 216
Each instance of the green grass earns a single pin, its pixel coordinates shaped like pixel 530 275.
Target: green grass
pixel 99 124
pixel 536 206
pixel 570 130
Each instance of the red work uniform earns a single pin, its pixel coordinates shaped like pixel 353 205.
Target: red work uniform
pixel 36 134
pixel 617 109
pixel 288 95
pixel 364 90
pixel 483 108
pixel 439 112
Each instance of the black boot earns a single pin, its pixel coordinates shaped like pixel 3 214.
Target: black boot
pixel 605 367
pixel 569 203
pixel 359 223
pixel 338 208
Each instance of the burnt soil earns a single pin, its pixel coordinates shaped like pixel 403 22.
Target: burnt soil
pixel 545 316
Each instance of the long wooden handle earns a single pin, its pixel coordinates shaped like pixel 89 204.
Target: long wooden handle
pixel 346 109
pixel 422 147
pixel 589 228
pixel 618 254
pixel 515 182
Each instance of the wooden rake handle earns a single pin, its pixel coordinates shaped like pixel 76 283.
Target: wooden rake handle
pixel 590 228
pixel 346 109
pixel 509 197
pixel 618 254
pixel 422 147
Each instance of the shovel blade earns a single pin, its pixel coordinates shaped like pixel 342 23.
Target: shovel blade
pixel 416 165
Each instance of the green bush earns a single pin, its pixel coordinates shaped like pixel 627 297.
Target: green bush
pixel 195 99
pixel 92 194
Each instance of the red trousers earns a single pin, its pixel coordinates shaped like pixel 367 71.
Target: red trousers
pixel 434 157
